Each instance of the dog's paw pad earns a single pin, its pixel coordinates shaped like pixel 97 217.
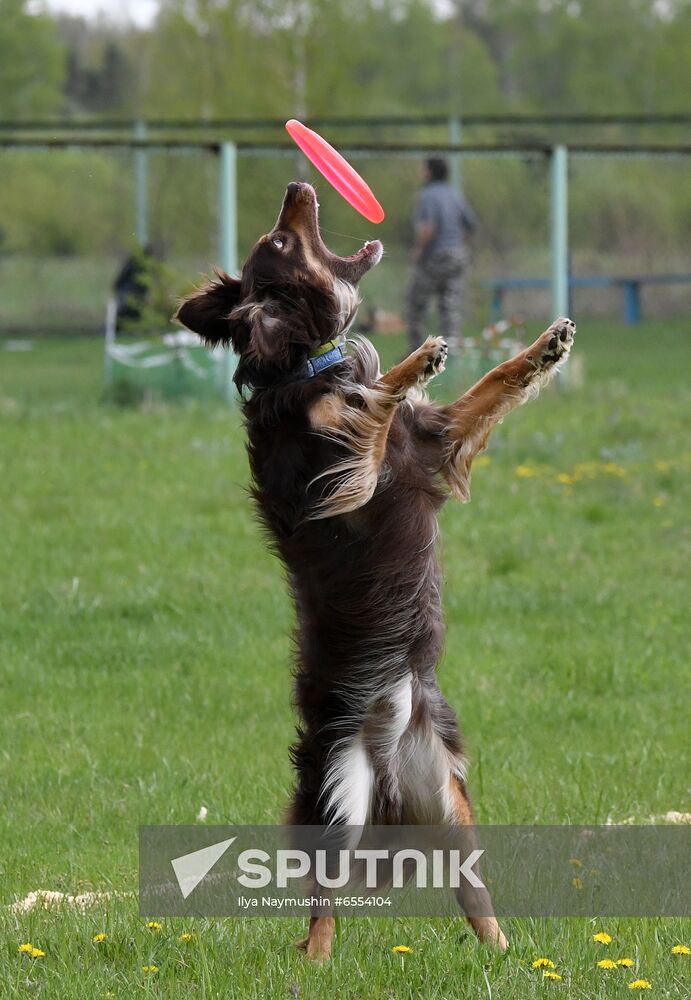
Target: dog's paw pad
pixel 434 353
pixel 555 343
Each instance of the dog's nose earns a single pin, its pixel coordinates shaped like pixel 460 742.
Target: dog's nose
pixel 297 202
pixel 299 189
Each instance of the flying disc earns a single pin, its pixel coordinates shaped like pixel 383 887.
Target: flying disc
pixel 337 170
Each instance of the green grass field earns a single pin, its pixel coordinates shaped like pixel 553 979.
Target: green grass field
pixel 144 636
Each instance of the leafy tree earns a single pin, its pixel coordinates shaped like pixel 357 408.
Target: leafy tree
pixel 31 62
pixel 99 71
pixel 585 55
pixel 309 57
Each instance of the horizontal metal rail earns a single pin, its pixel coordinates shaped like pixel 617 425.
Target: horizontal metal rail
pixel 360 149
pixel 398 121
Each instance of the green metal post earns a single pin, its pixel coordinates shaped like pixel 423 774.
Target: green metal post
pixel 228 237
pixel 111 319
pixel 560 231
pixel 455 136
pixel 141 184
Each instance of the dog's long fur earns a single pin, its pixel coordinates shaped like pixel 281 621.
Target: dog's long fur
pixel 350 469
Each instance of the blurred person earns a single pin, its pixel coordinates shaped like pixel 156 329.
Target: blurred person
pixel 443 220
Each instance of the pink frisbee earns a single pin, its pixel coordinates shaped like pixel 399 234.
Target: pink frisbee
pixel 337 170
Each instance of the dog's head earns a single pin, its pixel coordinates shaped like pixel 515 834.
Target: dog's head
pixel 294 295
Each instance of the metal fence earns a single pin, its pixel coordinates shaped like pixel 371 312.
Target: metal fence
pixel 219 179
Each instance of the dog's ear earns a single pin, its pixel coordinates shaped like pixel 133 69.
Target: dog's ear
pixel 207 311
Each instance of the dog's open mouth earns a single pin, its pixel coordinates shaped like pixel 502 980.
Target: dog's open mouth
pixel 300 212
pixel 370 248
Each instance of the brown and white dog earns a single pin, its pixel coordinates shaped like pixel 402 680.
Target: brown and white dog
pixel 350 468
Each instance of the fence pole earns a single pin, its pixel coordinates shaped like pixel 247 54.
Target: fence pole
pixel 111 320
pixel 560 231
pixel 455 134
pixel 141 187
pixel 228 238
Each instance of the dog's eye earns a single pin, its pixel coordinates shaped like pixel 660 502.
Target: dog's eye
pixel 277 242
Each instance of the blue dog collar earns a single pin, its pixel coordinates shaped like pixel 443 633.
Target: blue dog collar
pixel 320 362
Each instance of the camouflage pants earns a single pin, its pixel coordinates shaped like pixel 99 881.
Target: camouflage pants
pixel 440 276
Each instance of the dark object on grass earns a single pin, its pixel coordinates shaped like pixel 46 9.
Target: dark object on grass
pixel 132 288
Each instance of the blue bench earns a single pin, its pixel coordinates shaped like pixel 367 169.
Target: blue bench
pixel 630 286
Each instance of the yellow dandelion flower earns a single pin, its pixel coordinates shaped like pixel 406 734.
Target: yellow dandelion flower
pixel 602 938
pixel 613 469
pixel 575 862
pixel 640 984
pixel 554 976
pixel 100 937
pixel 26 948
pixel 525 471
pixel 149 968
pixel 154 925
pixel 543 963
pixel 577 883
pixel 626 963
pixel 606 963
pixel 681 949
pixel 595 871
pixel 186 937
pixel 482 460
pixel 659 502
pixel 401 949
pixel 37 953
pixel 564 477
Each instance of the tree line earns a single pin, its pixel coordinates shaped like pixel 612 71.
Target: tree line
pixel 210 58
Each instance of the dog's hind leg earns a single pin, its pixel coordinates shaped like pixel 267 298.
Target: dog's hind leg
pixel 434 794
pixel 333 796
pixel 472 417
pixel 484 923
pixel 317 944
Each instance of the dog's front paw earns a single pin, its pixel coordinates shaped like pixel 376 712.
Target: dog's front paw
pixel 417 369
pixel 432 358
pixel 554 345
